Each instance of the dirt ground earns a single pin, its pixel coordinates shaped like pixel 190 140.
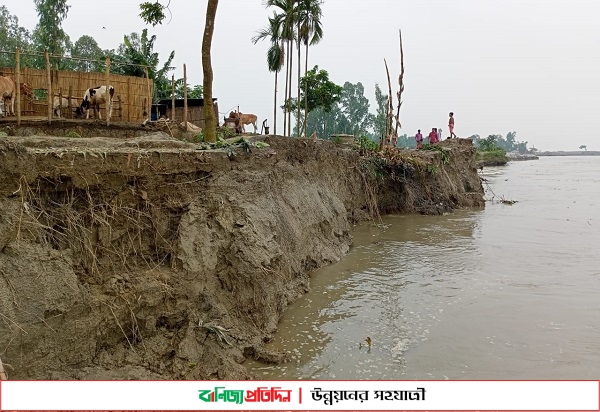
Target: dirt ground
pixel 137 256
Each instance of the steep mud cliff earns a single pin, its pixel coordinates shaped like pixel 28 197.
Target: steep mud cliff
pixel 144 258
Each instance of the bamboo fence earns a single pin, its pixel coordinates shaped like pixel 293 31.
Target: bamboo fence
pixel 132 99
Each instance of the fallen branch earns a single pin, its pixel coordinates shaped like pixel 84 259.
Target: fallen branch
pixel 3 374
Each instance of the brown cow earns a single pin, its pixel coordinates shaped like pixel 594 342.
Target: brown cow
pixel 7 89
pixel 7 92
pixel 245 118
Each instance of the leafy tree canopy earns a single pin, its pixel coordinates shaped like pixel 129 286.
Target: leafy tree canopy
pixel 137 51
pixel 48 34
pixel 12 36
pixel 321 92
pixel 86 47
pixel 153 12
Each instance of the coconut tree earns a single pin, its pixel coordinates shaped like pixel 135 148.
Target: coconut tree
pixel 286 14
pixel 310 33
pixel 275 54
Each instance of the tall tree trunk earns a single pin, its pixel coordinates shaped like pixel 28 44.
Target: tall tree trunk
pixel 285 93
pixel 305 90
pixel 289 125
pixel 210 119
pixel 299 73
pixel 275 107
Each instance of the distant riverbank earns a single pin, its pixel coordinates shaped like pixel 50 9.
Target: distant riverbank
pixel 571 153
pixel 519 156
pixel 491 158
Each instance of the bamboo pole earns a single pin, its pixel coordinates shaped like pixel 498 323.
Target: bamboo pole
pixel 69 105
pixel 173 97
pixel 60 95
pixel 128 100
pixel 18 87
pixel 185 106
pixel 108 97
pixel 49 88
pixel 148 108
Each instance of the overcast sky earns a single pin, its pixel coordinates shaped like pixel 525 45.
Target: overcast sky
pixel 530 66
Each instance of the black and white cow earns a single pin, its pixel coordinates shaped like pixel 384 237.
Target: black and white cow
pixel 96 96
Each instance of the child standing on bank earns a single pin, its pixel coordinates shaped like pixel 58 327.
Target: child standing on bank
pixel 419 139
pixel 433 136
pixel 451 125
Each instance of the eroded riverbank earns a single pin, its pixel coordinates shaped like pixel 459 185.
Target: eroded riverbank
pixel 500 293
pixel 145 258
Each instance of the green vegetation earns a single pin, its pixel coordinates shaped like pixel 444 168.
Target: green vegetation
pixel 294 23
pixel 72 133
pixel 444 153
pixel 493 158
pixel 508 144
pixel 433 169
pixel 222 134
pixel 136 49
pixel 322 94
pixel 489 152
pixel 48 34
pixel 336 139
pixel 366 145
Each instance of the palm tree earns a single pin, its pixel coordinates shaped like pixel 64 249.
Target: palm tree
pixel 310 33
pixel 286 15
pixel 275 54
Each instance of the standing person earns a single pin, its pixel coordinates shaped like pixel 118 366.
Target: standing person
pixel 419 139
pixel 433 138
pixel 451 125
pixel 440 134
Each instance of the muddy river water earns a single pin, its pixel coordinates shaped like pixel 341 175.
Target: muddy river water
pixel 505 292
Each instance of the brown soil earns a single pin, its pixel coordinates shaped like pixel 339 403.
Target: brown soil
pixel 144 258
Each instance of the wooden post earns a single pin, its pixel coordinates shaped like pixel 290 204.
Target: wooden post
pixel 60 95
pixel 18 85
pixel 108 99
pixel 173 97
pixel 69 105
pixel 148 108
pixel 128 99
pixel 185 107
pixel 49 88
pixel 120 107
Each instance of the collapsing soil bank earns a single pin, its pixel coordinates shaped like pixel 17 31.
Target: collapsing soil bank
pixel 145 258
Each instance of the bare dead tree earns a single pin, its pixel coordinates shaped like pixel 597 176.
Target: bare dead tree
pixel 392 121
pixel 400 85
pixel 389 120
